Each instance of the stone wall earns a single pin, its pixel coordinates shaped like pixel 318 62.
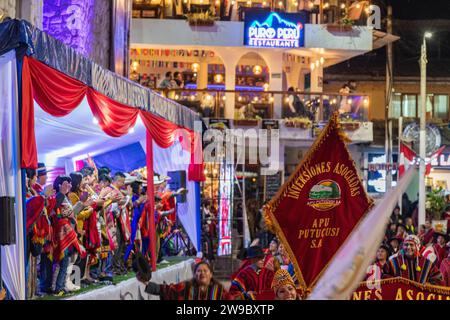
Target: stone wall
pixel 9 7
pixel 82 24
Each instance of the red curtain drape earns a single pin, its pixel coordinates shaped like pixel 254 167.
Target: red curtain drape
pixel 165 133
pixel 115 118
pixel 56 93
pixel 29 150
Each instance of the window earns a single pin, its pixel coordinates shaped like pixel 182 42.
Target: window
pixel 396 110
pixel 440 106
pixel 409 103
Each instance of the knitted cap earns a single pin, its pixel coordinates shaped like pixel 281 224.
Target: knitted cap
pixel 413 239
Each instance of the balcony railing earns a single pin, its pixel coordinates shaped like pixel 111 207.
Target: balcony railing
pixel 330 12
pixel 254 105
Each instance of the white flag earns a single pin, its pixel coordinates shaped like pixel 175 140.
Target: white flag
pixel 350 264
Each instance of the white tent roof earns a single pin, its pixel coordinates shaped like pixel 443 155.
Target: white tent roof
pixel 76 135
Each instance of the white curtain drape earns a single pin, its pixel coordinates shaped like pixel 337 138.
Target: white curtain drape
pixel 13 256
pixel 172 159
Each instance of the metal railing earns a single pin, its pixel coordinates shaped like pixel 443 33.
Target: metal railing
pixel 329 12
pixel 261 105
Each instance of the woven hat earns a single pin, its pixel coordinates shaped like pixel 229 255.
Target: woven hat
pixel 281 278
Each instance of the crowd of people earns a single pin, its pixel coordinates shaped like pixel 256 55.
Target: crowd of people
pixel 419 254
pixel 172 81
pixel 92 220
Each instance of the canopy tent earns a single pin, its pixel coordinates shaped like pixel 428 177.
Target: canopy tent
pixel 61 82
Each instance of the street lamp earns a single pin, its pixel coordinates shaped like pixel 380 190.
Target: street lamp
pixel 422 133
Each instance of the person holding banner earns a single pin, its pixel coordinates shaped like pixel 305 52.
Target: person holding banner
pixel 410 264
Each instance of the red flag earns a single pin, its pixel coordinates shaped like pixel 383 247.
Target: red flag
pixel 406 156
pixel 433 156
pixel 317 208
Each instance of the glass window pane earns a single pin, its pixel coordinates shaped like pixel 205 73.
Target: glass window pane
pixel 429 103
pixel 441 106
pixel 409 105
pixel 396 106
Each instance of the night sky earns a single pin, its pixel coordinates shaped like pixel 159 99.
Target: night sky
pixel 411 18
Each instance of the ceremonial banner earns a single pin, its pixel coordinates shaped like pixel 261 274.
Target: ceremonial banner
pixel 317 208
pixel 400 289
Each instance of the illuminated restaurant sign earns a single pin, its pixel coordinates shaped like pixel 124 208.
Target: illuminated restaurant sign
pixel 266 29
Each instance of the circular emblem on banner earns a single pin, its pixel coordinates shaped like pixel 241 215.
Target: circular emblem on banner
pixel 325 195
pixel 411 133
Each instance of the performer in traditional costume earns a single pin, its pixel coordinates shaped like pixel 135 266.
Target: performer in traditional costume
pixel 118 221
pixel 254 278
pixel 34 208
pixel 202 287
pixel 41 178
pixel 139 199
pixel 165 206
pixel 410 264
pixel 67 246
pixel 283 286
pixel 86 221
pixel 438 249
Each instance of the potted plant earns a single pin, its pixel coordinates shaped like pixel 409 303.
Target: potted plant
pixel 344 25
pixel 201 19
pixel 435 203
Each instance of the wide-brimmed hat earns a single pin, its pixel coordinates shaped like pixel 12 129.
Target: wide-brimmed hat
pixel 41 170
pixel 254 252
pixel 129 179
pixel 160 178
pixel 141 267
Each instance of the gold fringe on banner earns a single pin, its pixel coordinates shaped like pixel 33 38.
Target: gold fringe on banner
pixel 426 287
pixel 269 208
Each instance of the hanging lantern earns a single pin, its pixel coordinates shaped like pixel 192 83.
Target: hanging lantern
pixel 257 69
pixel 218 78
pixel 134 65
pixel 322 60
pixel 195 67
pixel 266 86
